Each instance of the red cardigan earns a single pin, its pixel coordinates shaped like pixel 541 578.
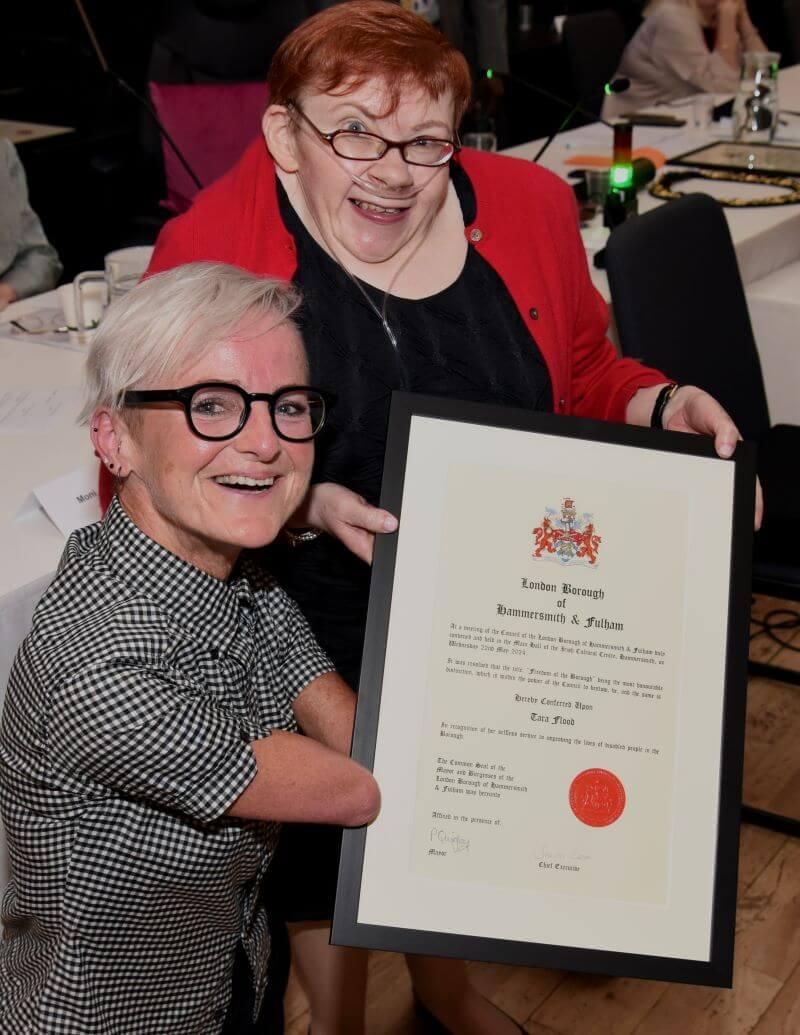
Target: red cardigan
pixel 525 227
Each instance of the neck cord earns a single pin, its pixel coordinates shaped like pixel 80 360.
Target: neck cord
pixel 380 313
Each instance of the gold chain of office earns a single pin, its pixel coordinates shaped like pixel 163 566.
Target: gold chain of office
pixel 663 187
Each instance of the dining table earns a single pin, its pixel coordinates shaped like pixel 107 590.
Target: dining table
pixel 31 456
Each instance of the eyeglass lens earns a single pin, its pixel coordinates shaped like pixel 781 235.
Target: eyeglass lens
pixel 366 146
pixel 217 412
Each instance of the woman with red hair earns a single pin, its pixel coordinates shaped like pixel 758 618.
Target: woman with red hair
pixel 426 268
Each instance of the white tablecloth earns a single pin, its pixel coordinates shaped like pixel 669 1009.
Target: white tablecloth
pixel 30 548
pixel 774 304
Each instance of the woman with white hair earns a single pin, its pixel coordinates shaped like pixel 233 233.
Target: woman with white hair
pixel 150 743
pixel 684 47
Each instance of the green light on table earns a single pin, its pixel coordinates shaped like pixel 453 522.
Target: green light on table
pixel 490 73
pixel 621 176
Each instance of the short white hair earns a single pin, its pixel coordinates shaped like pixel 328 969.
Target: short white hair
pixel 171 319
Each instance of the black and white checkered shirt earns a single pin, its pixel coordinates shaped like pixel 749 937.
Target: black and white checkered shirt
pixel 125 737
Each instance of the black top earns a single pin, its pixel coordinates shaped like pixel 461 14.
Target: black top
pixel 466 342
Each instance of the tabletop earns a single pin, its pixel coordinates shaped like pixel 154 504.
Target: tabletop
pixel 23 132
pixel 31 547
pixel 766 239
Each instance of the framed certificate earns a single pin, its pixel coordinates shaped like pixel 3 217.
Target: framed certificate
pixel 552 696
pixel 776 159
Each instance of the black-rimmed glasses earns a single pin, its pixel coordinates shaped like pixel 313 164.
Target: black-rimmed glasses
pixel 369 147
pixel 216 410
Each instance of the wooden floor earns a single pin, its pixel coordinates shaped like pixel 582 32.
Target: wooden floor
pixel 765 998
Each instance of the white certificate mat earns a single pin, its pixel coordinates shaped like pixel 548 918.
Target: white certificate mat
pixel 551 698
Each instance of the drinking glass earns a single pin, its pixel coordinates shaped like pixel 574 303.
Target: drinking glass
pixel 755 107
pixel 485 141
pixel 124 268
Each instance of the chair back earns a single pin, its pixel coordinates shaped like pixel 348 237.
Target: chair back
pixel 214 43
pixel 212 125
pixel 679 305
pixel 594 43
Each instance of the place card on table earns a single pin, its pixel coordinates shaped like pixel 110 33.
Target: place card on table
pixel 70 501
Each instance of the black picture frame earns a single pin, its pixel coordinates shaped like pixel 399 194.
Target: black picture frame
pixel 717 969
pixel 704 158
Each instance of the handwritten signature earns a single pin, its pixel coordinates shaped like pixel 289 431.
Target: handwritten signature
pixel 454 842
pixel 545 852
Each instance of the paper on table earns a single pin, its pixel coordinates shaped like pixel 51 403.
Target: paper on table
pixel 788 130
pixel 70 501
pixel 21 132
pixel 32 410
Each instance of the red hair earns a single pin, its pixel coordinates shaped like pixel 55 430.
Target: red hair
pixel 343 47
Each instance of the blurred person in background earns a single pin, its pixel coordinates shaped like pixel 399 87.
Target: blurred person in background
pixel 28 262
pixel 684 47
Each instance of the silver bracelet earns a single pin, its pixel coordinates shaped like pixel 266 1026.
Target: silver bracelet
pixel 296 537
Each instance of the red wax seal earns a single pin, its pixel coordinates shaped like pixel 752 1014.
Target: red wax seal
pixel 597 797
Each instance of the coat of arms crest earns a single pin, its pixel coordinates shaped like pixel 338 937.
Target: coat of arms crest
pixel 567 537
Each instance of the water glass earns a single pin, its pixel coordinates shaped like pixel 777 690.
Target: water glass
pixel 596 186
pixel 481 141
pixel 124 268
pixel 82 303
pixel 755 107
pixel 703 111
